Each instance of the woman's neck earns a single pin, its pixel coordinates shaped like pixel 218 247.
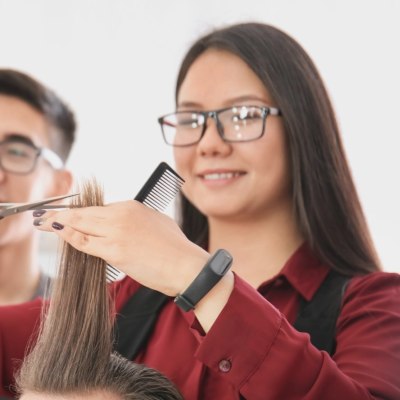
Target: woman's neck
pixel 260 247
pixel 19 271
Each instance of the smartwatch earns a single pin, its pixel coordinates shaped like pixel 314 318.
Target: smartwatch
pixel 217 266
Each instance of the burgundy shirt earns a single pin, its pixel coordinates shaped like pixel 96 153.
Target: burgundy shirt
pixel 17 323
pixel 252 348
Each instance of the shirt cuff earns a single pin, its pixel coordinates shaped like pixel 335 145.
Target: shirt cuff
pixel 241 337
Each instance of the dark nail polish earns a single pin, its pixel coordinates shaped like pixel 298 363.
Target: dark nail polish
pixel 38 213
pixel 57 225
pixel 38 221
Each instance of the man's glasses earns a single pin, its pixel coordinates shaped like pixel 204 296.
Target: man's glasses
pixel 20 157
pixel 234 124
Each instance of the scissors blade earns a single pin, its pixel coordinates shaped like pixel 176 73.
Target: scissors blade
pixel 21 207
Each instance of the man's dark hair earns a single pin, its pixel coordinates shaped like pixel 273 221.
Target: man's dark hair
pixel 58 115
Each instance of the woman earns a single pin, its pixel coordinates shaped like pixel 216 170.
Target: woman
pixel 256 140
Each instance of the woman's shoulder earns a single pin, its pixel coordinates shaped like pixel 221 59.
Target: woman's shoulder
pixel 379 289
pixel 376 281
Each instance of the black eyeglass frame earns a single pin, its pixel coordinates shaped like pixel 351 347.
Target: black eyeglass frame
pixel 48 155
pixel 265 111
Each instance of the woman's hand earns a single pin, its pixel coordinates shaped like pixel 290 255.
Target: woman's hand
pixel 145 244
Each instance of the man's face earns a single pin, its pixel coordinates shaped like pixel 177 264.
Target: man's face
pixel 19 119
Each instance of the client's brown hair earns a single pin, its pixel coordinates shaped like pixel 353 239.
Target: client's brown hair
pixel 73 353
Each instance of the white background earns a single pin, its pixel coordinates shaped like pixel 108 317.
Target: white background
pixel 115 62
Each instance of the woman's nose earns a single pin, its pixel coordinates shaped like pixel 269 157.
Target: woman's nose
pixel 211 143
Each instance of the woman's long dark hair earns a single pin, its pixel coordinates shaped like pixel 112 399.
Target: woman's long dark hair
pixel 73 354
pixel 326 203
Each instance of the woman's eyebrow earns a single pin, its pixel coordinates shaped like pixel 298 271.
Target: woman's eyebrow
pixel 189 104
pixel 249 97
pixel 228 102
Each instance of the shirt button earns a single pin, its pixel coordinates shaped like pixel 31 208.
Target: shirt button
pixel 224 366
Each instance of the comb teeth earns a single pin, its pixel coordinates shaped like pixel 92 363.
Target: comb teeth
pixel 112 273
pixel 157 193
pixel 163 192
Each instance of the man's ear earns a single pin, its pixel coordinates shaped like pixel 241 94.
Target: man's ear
pixel 62 183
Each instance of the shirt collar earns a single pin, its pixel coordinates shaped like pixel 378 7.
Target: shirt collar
pixel 304 271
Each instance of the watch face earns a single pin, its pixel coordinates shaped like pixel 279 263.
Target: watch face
pixel 216 267
pixel 220 262
pixel 183 303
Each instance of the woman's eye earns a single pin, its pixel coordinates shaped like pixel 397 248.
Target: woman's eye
pixel 191 121
pixel 187 122
pixel 245 117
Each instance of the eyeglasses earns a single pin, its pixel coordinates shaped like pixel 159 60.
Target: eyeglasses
pixel 234 124
pixel 20 157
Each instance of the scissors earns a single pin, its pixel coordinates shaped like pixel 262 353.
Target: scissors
pixel 7 209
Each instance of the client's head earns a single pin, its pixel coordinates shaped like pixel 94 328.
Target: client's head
pixel 122 380
pixel 72 358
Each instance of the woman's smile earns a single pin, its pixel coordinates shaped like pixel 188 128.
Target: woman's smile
pixel 220 177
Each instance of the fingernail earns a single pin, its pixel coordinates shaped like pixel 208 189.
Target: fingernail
pixel 38 213
pixel 38 221
pixel 57 225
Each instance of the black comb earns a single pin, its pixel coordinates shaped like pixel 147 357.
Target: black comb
pixel 157 193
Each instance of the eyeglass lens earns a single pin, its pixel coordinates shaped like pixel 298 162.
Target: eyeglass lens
pixel 17 157
pixel 240 123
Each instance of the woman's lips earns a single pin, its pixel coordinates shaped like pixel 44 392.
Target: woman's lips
pixel 220 177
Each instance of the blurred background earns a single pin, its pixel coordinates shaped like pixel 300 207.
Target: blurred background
pixel 115 63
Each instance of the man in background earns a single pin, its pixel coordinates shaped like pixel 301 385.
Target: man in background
pixel 37 130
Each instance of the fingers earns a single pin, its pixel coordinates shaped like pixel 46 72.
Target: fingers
pixel 143 243
pixel 88 229
pixel 86 243
pixel 98 231
pixel 90 220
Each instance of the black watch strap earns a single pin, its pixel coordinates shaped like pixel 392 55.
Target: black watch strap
pixel 217 266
